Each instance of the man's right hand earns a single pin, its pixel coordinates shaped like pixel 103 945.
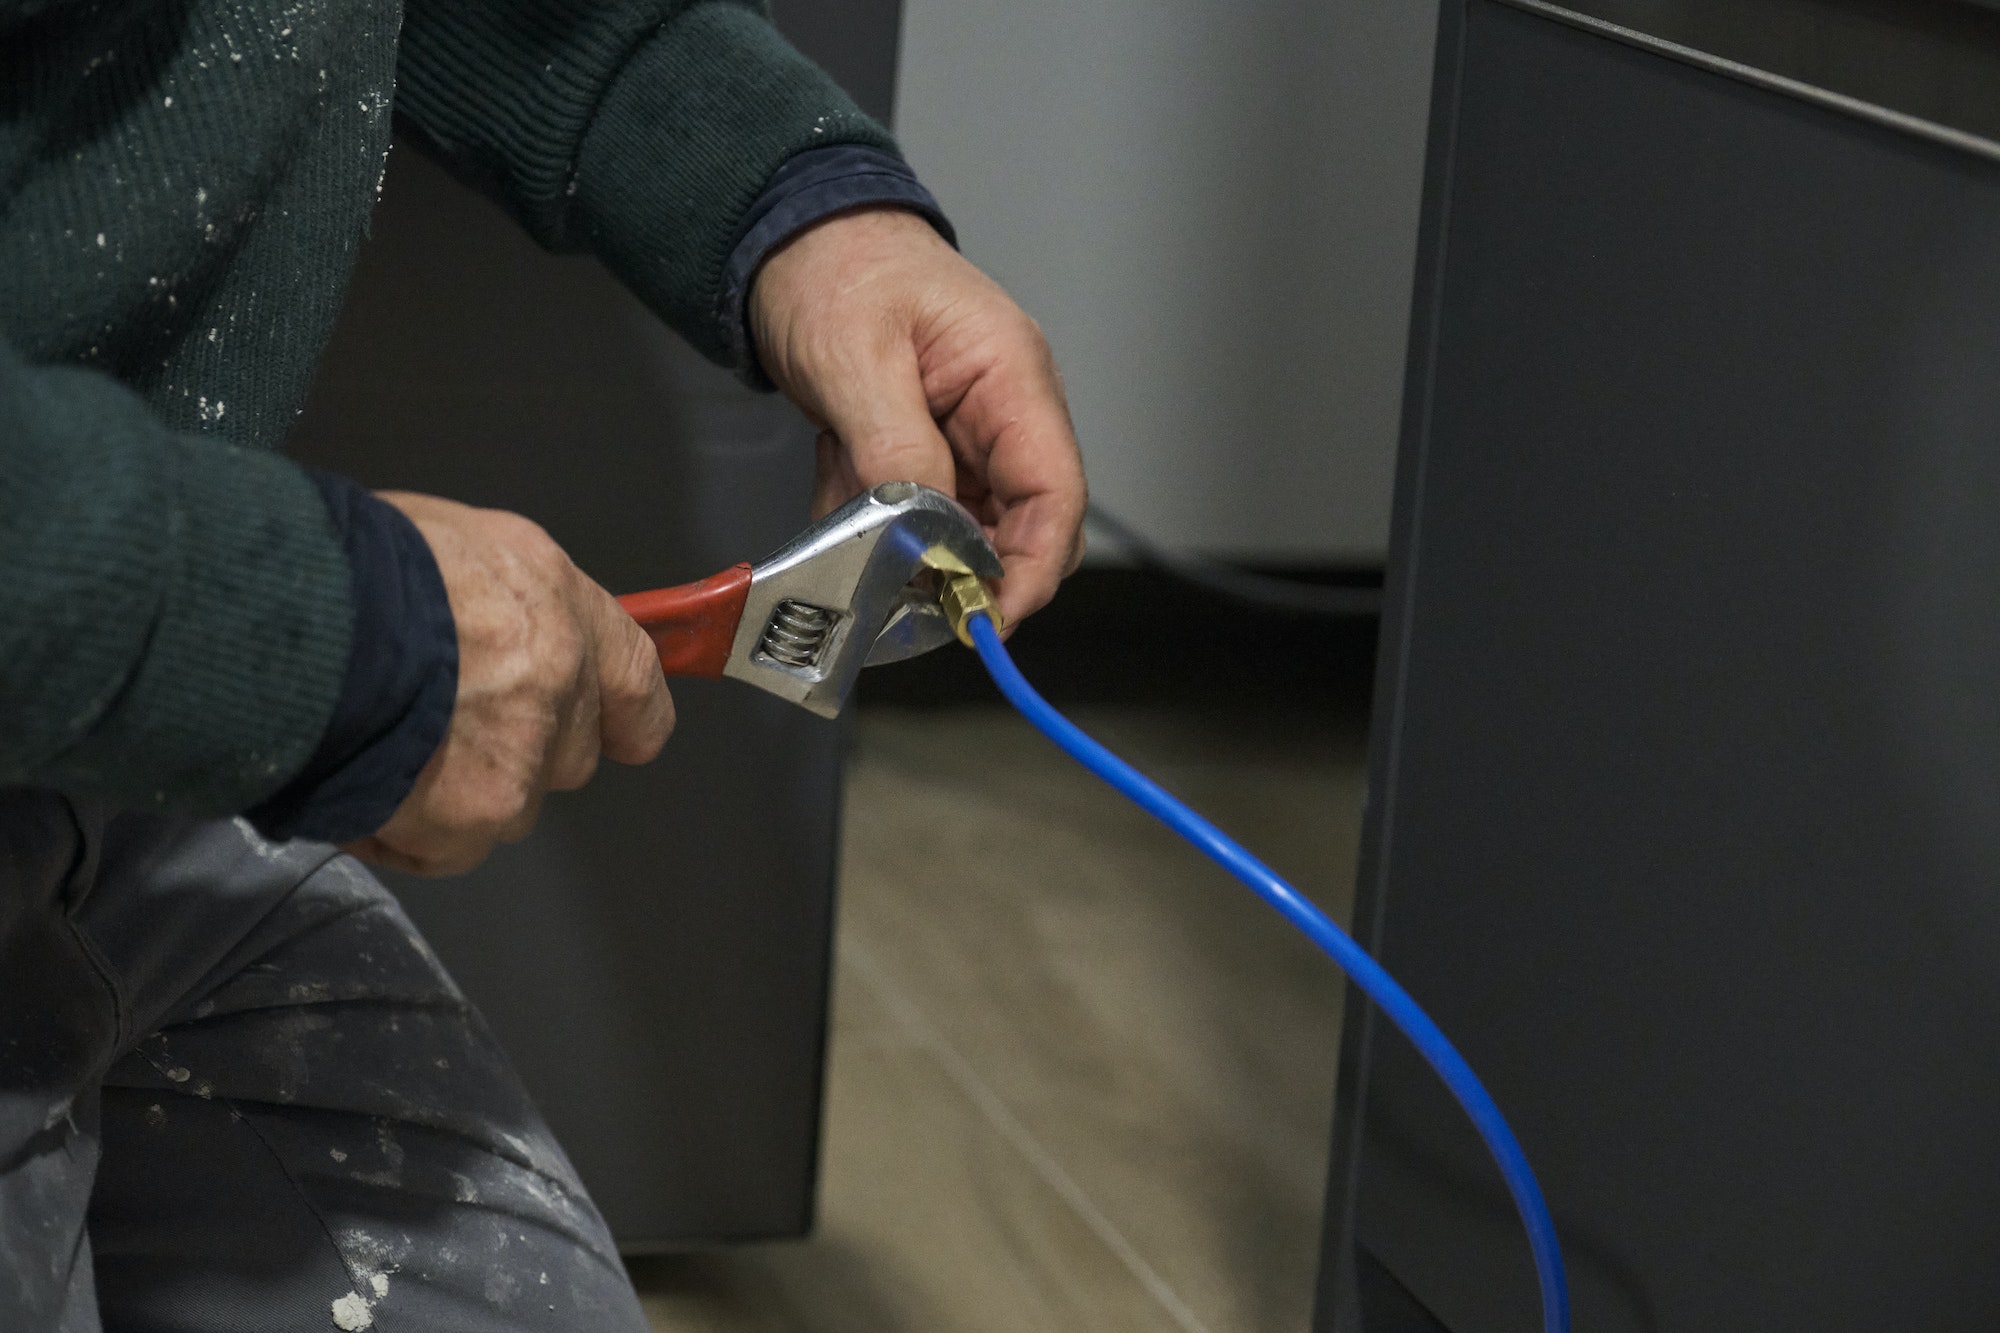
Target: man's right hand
pixel 551 674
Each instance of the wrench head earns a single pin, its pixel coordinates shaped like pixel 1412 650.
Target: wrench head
pixel 848 592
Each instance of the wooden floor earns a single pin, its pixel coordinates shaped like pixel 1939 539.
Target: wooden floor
pixel 1078 1078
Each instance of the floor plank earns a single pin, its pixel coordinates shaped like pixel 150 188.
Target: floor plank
pixel 1078 1079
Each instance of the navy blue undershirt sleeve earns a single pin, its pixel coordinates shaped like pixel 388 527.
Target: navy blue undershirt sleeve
pixel 401 681
pixel 811 187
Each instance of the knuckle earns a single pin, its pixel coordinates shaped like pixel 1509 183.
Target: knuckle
pixel 520 531
pixel 481 810
pixel 520 828
pixel 483 818
pixel 555 664
pixel 663 723
pixel 646 748
pixel 640 740
pixel 537 738
pixel 565 661
pixel 532 545
pixel 1020 329
pixel 574 773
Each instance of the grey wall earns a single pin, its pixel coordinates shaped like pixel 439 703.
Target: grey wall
pixel 1211 208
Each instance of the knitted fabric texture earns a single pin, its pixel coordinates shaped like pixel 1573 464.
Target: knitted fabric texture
pixel 183 189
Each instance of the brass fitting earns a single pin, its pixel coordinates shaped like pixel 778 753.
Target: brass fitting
pixel 960 592
pixel 962 596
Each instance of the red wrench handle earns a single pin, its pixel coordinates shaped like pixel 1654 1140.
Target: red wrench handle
pixel 693 624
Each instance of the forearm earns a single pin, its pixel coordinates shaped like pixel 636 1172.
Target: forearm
pixel 175 620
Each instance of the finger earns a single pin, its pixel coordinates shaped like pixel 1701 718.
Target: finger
pixel 416 840
pixel 576 739
pixel 573 757
pixel 1012 424
pixel 523 823
pixel 875 405
pixel 635 710
pixel 1036 547
pixel 371 851
pixel 377 851
pixel 834 481
pixel 1039 494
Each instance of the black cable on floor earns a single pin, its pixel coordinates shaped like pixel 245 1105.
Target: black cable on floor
pixel 1291 596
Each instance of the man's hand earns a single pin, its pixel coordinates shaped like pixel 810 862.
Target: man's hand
pixel 917 367
pixel 551 674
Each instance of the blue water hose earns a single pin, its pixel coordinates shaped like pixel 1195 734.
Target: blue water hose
pixel 1351 958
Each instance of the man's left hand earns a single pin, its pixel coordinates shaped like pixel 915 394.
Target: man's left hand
pixel 918 367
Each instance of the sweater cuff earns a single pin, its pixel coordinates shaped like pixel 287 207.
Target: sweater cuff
pixel 810 188
pixel 684 143
pixel 396 698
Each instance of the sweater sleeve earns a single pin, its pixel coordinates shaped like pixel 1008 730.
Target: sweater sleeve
pixel 175 620
pixel 641 130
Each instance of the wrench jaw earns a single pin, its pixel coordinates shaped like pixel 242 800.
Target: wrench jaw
pixel 916 626
pixel 839 596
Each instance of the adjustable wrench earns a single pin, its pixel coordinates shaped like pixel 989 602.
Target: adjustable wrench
pixel 892 573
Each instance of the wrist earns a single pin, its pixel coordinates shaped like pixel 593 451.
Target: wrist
pixel 398 690
pixel 811 189
pixel 838 268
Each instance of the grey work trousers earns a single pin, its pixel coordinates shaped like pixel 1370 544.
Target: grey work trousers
pixel 237 1092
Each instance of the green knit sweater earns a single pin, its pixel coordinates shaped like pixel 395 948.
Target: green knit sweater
pixel 183 186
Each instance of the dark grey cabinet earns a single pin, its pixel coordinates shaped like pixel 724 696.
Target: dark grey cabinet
pixel 656 956
pixel 1685 800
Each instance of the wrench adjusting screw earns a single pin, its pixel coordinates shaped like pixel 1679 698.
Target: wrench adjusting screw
pixel 797 634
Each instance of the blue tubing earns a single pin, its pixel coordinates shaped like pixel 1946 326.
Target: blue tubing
pixel 1352 959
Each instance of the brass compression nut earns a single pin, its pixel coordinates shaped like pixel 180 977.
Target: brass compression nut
pixel 962 596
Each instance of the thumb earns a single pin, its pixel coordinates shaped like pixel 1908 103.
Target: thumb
pixel 635 711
